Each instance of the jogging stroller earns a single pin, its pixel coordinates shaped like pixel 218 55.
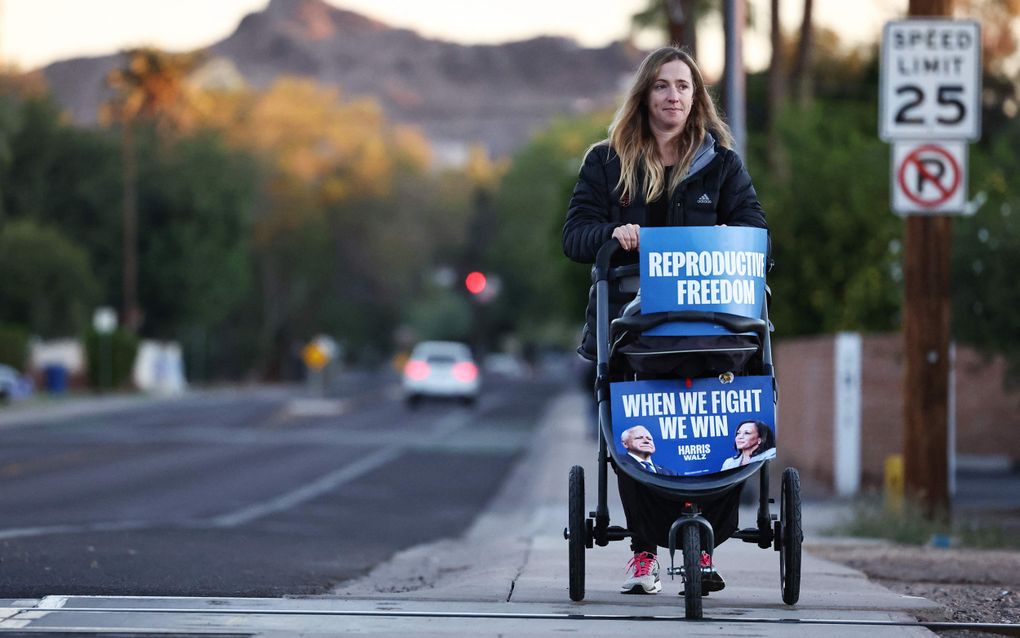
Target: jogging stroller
pixel 691 358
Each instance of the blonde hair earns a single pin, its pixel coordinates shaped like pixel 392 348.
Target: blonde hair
pixel 630 134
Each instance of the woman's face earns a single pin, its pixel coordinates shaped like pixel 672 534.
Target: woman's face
pixel 670 98
pixel 747 437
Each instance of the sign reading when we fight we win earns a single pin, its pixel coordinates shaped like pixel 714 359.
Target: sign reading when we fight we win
pixel 706 268
pixel 696 426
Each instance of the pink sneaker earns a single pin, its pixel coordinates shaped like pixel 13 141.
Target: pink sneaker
pixel 642 575
pixel 710 578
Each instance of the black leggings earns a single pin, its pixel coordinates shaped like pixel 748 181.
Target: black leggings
pixel 650 515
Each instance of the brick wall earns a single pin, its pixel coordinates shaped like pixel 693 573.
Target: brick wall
pixel 987 413
pixel 804 371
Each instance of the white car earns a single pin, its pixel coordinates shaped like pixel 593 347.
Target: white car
pixel 441 369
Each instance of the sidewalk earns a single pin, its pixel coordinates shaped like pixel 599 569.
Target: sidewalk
pixel 508 576
pixel 41 408
pixel 45 408
pixel 516 554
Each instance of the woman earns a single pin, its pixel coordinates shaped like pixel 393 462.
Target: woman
pixel 667 162
pixel 753 439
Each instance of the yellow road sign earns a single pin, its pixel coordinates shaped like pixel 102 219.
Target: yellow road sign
pixel 314 356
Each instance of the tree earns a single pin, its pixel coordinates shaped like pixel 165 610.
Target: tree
pixel 677 19
pixel 986 254
pixel 343 220
pixel 152 85
pixel 999 38
pixel 195 240
pixel 47 284
pixel 8 113
pixel 61 177
pixel 544 293
pixel 801 77
pixel 777 159
pixel 834 240
pixel 194 251
pixel 149 86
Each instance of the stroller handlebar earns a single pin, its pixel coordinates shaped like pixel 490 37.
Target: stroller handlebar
pixel 603 257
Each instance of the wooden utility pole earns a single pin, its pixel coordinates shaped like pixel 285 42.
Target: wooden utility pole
pixel 926 332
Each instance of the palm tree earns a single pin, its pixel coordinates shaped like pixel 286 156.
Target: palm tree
pixel 677 17
pixel 151 86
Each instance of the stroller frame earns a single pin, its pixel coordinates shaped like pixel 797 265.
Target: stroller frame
pixel 782 532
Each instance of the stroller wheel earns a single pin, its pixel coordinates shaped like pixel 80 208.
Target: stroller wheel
pixel 792 536
pixel 576 532
pixel 692 572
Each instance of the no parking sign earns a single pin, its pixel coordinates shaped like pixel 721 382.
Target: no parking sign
pixel 929 177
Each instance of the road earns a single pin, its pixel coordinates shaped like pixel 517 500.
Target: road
pixel 504 573
pixel 248 493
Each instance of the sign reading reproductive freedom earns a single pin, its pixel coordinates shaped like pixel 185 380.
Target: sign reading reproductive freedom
pixel 694 423
pixel 706 268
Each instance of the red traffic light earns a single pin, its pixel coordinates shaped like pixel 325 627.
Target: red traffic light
pixel 475 282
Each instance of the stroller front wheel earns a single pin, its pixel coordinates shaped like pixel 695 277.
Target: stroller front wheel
pixel 576 532
pixel 692 572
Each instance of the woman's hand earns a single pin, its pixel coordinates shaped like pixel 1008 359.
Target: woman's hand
pixel 629 235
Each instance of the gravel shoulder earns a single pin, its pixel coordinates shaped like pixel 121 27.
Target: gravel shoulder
pixel 973 585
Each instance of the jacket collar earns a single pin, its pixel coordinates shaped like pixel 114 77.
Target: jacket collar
pixel 706 153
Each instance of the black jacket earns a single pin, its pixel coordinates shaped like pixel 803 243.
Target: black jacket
pixel 627 459
pixel 717 190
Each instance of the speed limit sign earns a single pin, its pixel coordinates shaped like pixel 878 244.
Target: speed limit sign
pixel 931 80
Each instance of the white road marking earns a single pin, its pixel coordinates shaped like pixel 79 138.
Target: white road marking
pixel 52 602
pixel 309 491
pixel 113 526
pixel 333 480
pixel 281 503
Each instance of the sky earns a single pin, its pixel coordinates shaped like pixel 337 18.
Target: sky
pixel 34 33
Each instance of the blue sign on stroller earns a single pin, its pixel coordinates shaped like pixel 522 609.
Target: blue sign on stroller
pixel 696 427
pixel 712 415
pixel 704 268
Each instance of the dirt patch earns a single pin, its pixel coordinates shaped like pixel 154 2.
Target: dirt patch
pixel 973 585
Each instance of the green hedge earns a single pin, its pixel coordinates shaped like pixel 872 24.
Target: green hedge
pixel 119 348
pixel 14 346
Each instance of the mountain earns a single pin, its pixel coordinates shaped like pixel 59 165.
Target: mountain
pixel 496 95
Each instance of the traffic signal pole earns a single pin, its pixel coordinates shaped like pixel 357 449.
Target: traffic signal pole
pixel 926 334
